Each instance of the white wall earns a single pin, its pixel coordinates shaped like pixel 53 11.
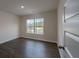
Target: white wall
pixel 50 32
pixel 60 23
pixel 9 27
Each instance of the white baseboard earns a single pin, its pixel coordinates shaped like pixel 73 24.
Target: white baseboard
pixel 1 42
pixel 68 52
pixel 42 40
pixel 49 41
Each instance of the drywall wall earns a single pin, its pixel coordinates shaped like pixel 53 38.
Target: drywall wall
pixel 50 26
pixel 61 22
pixel 9 26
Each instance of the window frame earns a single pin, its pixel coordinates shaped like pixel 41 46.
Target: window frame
pixel 35 26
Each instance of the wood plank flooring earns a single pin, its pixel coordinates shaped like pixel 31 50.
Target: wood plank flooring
pixel 28 48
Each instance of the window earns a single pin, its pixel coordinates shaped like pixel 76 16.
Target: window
pixel 35 26
pixel 30 26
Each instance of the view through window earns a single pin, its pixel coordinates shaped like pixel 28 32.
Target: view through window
pixel 35 26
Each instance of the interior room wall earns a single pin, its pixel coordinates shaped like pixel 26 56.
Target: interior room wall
pixel 61 22
pixel 9 26
pixel 50 26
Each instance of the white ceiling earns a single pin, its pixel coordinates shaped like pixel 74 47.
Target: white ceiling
pixel 31 6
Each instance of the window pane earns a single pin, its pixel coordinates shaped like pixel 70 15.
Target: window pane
pixel 35 26
pixel 30 29
pixel 39 30
pixel 39 26
pixel 30 22
pixel 39 22
pixel 30 26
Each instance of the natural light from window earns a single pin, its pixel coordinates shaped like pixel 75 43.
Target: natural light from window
pixel 35 26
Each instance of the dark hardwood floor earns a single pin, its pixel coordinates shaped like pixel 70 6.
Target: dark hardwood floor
pixel 28 48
